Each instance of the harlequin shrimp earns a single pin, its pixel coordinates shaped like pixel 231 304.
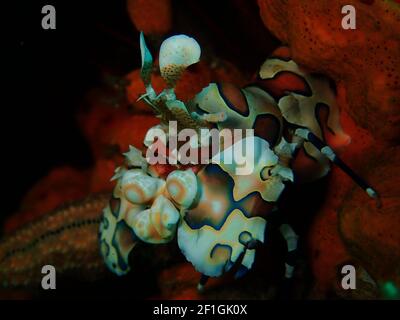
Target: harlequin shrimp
pixel 217 216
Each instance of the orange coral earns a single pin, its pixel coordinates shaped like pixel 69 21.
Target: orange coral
pixel 135 89
pixel 115 139
pixel 372 234
pixel 193 80
pixel 151 16
pixel 96 118
pixel 365 61
pixel 101 174
pixel 327 249
pixel 128 130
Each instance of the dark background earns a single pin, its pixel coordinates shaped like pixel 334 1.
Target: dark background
pixel 51 70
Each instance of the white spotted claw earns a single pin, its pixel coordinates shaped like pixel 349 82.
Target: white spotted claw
pixel 176 54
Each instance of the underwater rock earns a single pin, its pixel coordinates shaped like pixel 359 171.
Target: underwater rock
pixel 370 233
pixel 365 62
pixel 151 16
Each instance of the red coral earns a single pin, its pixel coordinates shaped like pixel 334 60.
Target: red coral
pixel 58 187
pixel 366 60
pixel 151 16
